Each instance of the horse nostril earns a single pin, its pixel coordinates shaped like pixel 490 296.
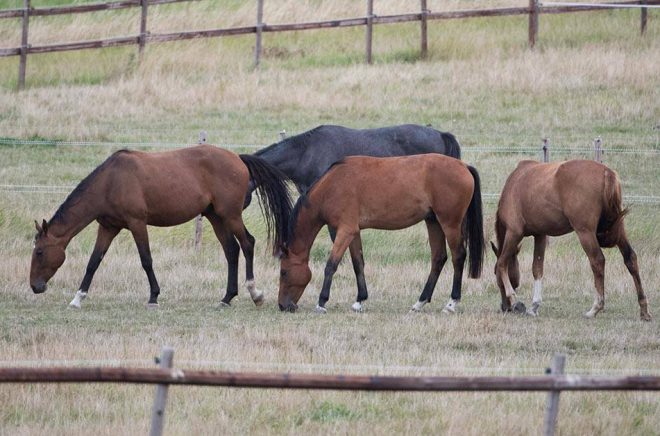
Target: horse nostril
pixel 281 307
pixel 38 288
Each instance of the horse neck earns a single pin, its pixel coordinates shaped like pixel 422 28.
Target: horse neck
pixel 285 156
pixel 308 225
pixel 72 218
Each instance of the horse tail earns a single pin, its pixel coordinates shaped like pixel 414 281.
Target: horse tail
pixel 452 147
pixel 473 228
pixel 610 223
pixel 273 193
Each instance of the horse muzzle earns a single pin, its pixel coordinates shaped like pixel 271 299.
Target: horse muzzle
pixel 39 287
pixel 290 307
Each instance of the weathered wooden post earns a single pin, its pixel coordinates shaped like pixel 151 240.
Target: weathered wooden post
pixel 552 404
pixel 598 150
pixel 424 36
pixel 533 22
pixel 160 400
pixel 282 135
pixel 546 150
pixel 24 45
pixel 370 25
pixel 143 28
pixel 643 18
pixel 198 219
pixel 260 27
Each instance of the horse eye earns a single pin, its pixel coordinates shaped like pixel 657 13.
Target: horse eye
pixel 40 252
pixel 283 273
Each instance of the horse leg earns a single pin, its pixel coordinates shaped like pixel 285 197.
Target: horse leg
pixel 231 250
pixel 357 258
pixel 141 237
pixel 342 241
pixel 540 242
pixel 507 251
pixel 630 259
pixel 104 237
pixel 458 255
pixel 438 259
pixel 246 242
pixel 597 260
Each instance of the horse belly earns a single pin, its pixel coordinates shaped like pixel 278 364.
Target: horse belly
pixel 391 218
pixel 176 208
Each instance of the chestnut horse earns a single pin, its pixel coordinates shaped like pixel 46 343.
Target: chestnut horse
pixel 552 199
pixel 386 193
pixel 132 189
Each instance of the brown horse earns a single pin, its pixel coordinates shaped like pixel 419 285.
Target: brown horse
pixel 386 193
pixel 552 199
pixel 132 189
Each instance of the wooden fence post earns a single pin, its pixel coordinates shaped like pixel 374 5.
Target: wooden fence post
pixel 424 36
pixel 24 45
pixel 370 25
pixel 160 400
pixel 552 404
pixel 143 28
pixel 598 150
pixel 546 150
pixel 282 134
pixel 198 219
pixel 643 18
pixel 260 26
pixel 533 22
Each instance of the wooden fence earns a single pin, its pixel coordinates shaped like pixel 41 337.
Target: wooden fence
pixel 534 10
pixel 165 375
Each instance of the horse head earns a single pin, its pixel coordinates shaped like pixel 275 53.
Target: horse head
pixel 47 256
pixel 514 276
pixel 295 275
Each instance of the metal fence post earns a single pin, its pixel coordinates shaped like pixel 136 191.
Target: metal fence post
pixel 24 45
pixel 260 26
pixel 198 219
pixel 552 404
pixel 160 400
pixel 598 150
pixel 370 25
pixel 546 150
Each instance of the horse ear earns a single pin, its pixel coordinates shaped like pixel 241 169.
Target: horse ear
pixel 44 226
pixel 495 250
pixel 38 227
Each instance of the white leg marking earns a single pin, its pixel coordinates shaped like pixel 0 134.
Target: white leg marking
pixel 254 292
pixel 450 307
pixel 357 307
pixel 536 299
pixel 80 296
pixel 320 309
pixel 597 307
pixel 417 307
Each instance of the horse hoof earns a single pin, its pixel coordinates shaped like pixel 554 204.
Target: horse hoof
pixel 74 305
pixel 152 306
pixel 320 309
pixel 519 308
pixel 589 315
pixel 224 305
pixel 450 308
pixel 531 312
pixel 357 307
pixel 417 307
pixel 646 317
pixel 259 300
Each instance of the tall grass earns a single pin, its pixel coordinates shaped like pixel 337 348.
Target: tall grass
pixel 592 74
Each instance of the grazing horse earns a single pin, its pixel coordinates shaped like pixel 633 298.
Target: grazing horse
pixel 132 189
pixel 386 193
pixel 552 199
pixel 304 158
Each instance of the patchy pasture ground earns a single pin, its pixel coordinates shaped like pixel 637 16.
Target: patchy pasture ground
pixel 591 75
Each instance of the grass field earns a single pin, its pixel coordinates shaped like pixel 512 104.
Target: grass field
pixel 591 75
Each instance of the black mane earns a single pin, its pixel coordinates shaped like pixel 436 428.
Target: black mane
pixel 76 195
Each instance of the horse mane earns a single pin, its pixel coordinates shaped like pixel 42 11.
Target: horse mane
pixel 296 141
pixel 76 195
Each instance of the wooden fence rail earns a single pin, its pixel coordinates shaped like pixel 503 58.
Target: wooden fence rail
pixel 534 10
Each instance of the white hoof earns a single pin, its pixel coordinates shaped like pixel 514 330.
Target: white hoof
pixel 357 307
pixel 257 295
pixel 223 305
pixel 417 307
pixel 80 296
pixel 152 306
pixel 534 311
pixel 590 314
pixel 319 309
pixel 450 307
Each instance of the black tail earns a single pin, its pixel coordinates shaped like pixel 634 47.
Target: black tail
pixel 273 193
pixel 473 228
pixel 452 147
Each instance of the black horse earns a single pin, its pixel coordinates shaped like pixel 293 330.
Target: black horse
pixel 304 158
